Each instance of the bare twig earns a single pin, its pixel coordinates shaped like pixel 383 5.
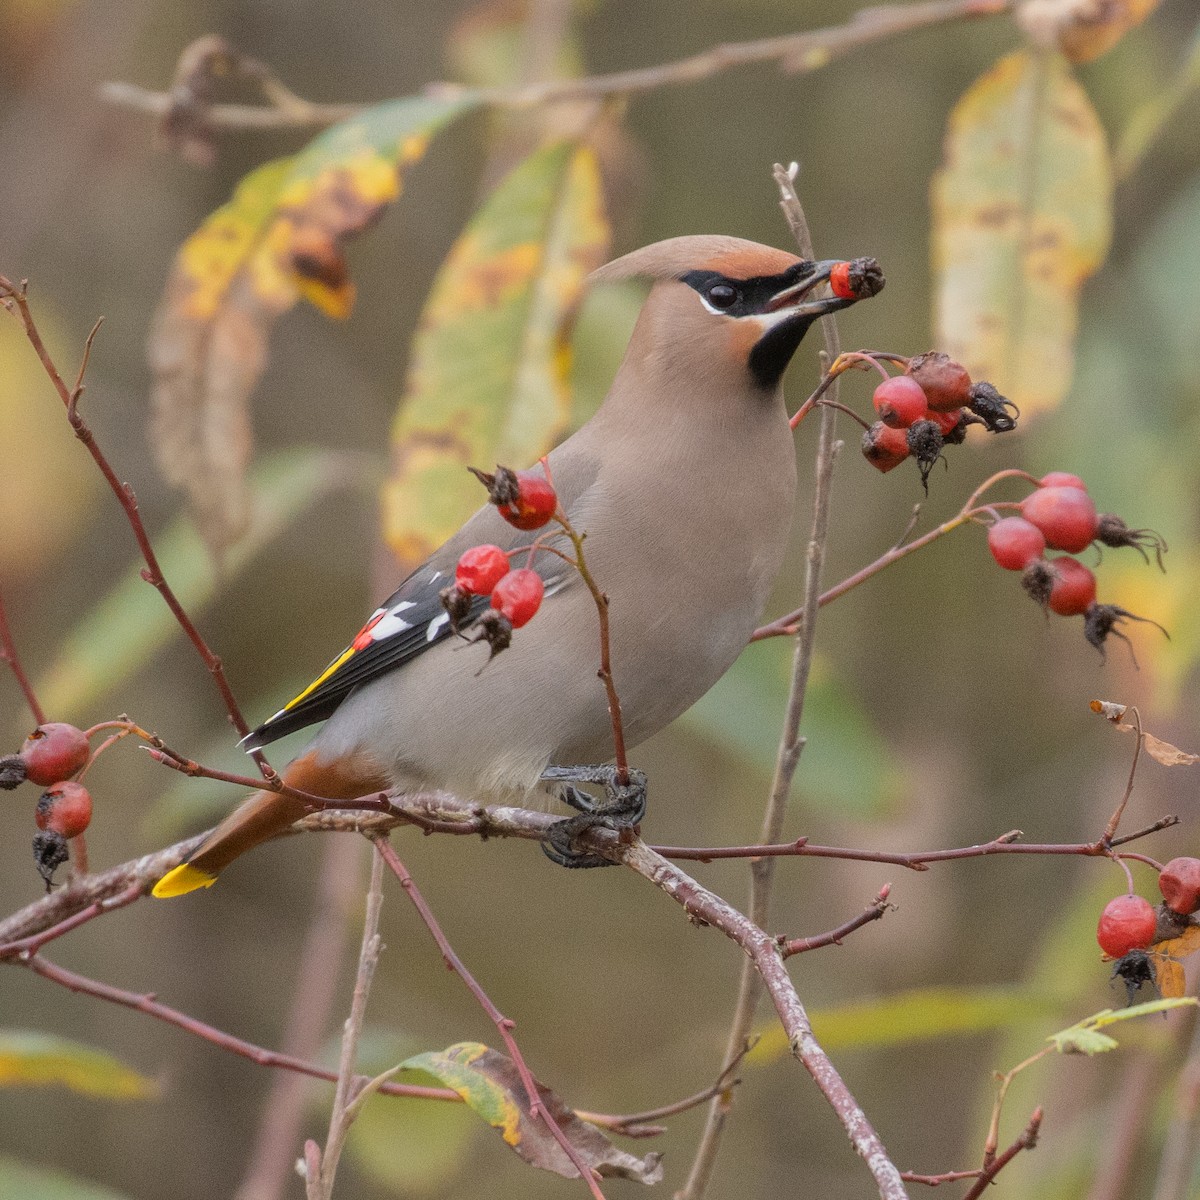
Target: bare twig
pixel 797 53
pixel 790 742
pixel 504 1025
pixel 151 1007
pixel 340 1118
pixel 16 296
pixel 270 1171
pixel 765 954
pixel 8 654
pixel 834 937
pixel 1026 1141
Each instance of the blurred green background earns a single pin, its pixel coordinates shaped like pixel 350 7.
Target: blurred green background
pixel 945 709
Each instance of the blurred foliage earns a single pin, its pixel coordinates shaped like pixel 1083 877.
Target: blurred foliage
pixel 36 1183
pixel 933 681
pixel 32 1059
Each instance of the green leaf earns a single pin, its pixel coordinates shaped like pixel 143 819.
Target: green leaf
pixel 1084 1036
pixel 488 380
pixel 30 1059
pixel 912 1016
pixel 846 765
pixel 130 624
pixel 1022 216
pixel 28 1182
pixel 280 237
pixel 1083 1041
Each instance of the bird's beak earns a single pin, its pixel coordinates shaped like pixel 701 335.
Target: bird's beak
pixel 792 298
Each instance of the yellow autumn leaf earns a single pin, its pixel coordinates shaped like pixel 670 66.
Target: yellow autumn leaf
pixel 1022 215
pixel 488 380
pixel 279 238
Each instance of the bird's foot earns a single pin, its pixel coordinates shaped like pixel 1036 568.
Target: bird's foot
pixel 623 808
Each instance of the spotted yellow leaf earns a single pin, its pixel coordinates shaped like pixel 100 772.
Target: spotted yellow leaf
pixel 1022 209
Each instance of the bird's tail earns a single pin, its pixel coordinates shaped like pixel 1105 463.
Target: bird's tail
pixel 266 814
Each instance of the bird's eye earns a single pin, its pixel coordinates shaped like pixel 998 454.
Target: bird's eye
pixel 721 295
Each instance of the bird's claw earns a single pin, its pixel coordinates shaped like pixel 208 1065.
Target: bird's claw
pixel 623 808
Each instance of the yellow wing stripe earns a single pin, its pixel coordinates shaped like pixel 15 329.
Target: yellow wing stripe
pixel 335 666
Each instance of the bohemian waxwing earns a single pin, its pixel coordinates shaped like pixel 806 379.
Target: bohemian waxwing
pixel 684 482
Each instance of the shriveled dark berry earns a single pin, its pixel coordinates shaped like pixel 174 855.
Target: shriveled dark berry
pixel 12 771
pixel 945 382
pixel 1136 971
pixel 925 442
pixel 1112 531
pixel 992 408
pixel 49 853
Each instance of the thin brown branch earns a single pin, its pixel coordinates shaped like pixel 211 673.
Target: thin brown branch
pixel 8 654
pixel 270 1171
pixel 834 937
pixel 1026 1141
pixel 17 295
pixel 149 1005
pixel 764 952
pixel 790 743
pixel 504 1025
pixel 797 53
pixel 341 1117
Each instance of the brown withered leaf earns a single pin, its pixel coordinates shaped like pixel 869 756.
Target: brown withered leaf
pixel 490 1086
pixel 1160 751
pixel 278 239
pixel 1082 29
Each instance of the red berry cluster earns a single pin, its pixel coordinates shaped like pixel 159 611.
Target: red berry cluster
pixel 49 757
pixel 1131 923
pixel 1060 515
pixel 928 408
pixel 527 501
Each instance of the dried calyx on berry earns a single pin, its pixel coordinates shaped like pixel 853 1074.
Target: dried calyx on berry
pixel 525 499
pixel 495 629
pixel 456 601
pixel 992 408
pixel 1101 620
pixel 857 279
pixel 1038 579
pixel 925 442
pixel 49 853
pixel 1112 531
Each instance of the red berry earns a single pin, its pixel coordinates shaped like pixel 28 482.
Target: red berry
pixel 900 402
pixel 1074 588
pixel 1015 543
pixel 1062 479
pixel 64 808
pixel 480 569
pixel 947 422
pixel 535 503
pixel 1127 923
pixel 839 281
pixel 1179 882
pixel 946 384
pixel 885 448
pixel 1066 515
pixel 518 595
pixel 54 751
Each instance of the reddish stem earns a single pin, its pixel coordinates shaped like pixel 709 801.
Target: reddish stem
pixel 152 573
pixel 149 1005
pixel 8 654
pixel 503 1024
pixel 1026 1141
pixel 833 937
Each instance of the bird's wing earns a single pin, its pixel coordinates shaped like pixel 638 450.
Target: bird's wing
pixel 408 623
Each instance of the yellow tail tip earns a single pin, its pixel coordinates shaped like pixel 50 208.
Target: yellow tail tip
pixel 185 878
